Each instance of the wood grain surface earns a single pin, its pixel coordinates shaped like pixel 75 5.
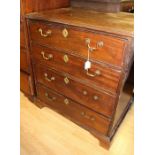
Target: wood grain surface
pixel 112 49
pixel 118 23
pixel 25 82
pixel 45 132
pixel 74 90
pixel 107 77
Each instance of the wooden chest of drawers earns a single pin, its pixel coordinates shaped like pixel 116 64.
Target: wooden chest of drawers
pixel 61 42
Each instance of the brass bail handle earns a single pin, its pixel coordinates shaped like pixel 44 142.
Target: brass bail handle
pixel 97 73
pixel 48 79
pixel 49 97
pixel 47 33
pixel 99 44
pixel 49 57
pixel 87 116
pixel 90 74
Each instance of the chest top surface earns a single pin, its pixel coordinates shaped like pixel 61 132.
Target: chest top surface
pixel 116 23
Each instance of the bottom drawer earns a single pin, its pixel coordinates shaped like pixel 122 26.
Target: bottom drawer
pixel 75 112
pixel 25 83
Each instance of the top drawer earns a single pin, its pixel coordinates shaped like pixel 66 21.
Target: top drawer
pixel 103 48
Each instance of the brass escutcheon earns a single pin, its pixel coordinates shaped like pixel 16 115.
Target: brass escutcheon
pixel 66 101
pixel 66 80
pixel 65 33
pixel 65 58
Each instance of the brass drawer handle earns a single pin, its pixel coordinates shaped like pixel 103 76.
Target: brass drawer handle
pixel 87 116
pixel 48 79
pixel 66 80
pixel 49 57
pixel 48 32
pixel 49 97
pixel 90 74
pixel 66 101
pixel 97 73
pixel 99 44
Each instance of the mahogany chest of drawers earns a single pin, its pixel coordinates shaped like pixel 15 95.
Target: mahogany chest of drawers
pixel 62 41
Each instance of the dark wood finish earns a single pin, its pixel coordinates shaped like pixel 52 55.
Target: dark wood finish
pixel 108 78
pixel 22 35
pixel 99 5
pixel 105 5
pixel 131 75
pixel 25 83
pixel 23 60
pixel 103 104
pixel 127 6
pixel 74 111
pixel 40 5
pixel 27 6
pixel 60 32
pixel 125 96
pixel 112 51
pixel 114 23
pixel 117 123
pixel 102 1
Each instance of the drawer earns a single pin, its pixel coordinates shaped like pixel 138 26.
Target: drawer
pixel 101 76
pixel 74 111
pixel 105 48
pixel 22 35
pixel 25 83
pixel 23 60
pixel 88 96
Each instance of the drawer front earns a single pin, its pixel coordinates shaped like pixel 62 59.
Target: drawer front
pixel 25 83
pixel 23 60
pixel 73 111
pixel 101 76
pixel 22 35
pixel 104 48
pixel 82 94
